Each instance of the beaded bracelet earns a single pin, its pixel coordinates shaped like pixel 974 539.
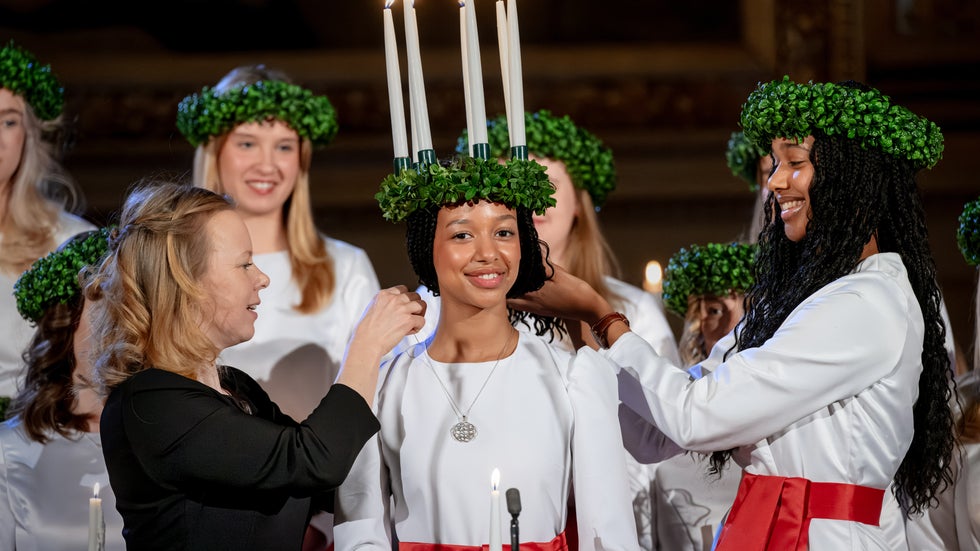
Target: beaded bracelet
pixel 600 330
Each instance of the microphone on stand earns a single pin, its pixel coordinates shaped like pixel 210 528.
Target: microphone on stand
pixel 514 508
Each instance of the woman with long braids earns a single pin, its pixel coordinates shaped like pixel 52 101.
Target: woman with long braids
pixel 837 383
pixel 479 394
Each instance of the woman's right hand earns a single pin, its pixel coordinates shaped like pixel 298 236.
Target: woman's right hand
pixel 393 313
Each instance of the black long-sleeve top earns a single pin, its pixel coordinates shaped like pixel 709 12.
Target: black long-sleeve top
pixel 192 468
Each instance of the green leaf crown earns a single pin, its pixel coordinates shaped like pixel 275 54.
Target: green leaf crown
pixel 21 73
pixel 713 269
pixel 743 159
pixel 589 162
pixel 210 113
pixel 53 279
pixel 785 109
pixel 968 234
pixel 517 183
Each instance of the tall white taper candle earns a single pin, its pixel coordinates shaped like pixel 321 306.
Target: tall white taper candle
pixel 502 46
pixel 396 105
pixel 466 76
pixel 495 511
pixel 475 68
pixel 516 124
pixel 416 83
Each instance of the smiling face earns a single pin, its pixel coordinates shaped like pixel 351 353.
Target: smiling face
pixel 12 135
pixel 476 253
pixel 790 183
pixel 231 282
pixel 258 164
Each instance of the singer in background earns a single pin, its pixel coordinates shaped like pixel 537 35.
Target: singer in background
pixel 479 394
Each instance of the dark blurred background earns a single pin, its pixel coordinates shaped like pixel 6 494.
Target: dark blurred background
pixel 662 82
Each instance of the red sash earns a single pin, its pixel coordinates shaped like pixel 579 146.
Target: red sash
pixel 557 544
pixel 772 513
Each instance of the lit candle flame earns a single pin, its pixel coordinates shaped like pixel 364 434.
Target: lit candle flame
pixel 95 490
pixel 654 273
pixel 653 277
pixel 388 3
pixel 495 479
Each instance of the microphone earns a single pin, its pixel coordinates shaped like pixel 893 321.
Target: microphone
pixel 514 508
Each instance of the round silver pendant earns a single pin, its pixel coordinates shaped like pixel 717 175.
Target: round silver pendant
pixel 463 431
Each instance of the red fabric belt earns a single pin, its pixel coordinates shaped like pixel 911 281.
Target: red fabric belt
pixel 772 513
pixel 557 544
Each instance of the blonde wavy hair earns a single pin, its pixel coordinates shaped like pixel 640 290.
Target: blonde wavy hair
pixel 312 266
pixel 40 189
pixel 148 303
pixel 588 255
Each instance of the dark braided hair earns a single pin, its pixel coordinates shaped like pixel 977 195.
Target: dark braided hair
pixel 857 194
pixel 534 269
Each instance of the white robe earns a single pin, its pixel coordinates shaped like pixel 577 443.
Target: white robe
pixel 546 419
pixel 45 491
pixel 955 522
pixel 647 319
pixel 829 397
pixel 17 331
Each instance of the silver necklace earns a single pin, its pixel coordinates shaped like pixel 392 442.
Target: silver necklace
pixel 464 431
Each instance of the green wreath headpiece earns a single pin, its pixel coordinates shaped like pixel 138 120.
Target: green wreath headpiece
pixel 968 234
pixel 209 113
pixel 53 279
pixel 588 161
pixel 743 159
pixel 712 269
pixel 785 109
pixel 21 73
pixel 518 183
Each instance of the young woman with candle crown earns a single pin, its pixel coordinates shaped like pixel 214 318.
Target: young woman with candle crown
pixel 954 523
pixel 37 196
pixel 198 454
pixel 50 451
pixel 837 382
pixel 479 394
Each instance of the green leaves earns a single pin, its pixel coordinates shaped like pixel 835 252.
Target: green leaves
pixel 518 183
pixel 207 114
pixel 589 163
pixel 743 158
pixel 53 279
pixel 785 109
pixel 712 269
pixel 21 73
pixel 968 233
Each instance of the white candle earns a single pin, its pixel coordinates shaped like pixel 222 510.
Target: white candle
pixel 475 68
pixel 96 524
pixel 495 510
pixel 399 136
pixel 653 277
pixel 502 46
pixel 466 75
pixel 416 84
pixel 517 137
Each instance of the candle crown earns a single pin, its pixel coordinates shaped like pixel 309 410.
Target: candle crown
pixel 517 183
pixel 588 161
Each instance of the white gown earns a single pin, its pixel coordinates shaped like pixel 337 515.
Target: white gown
pixel 647 319
pixel 829 397
pixel 45 491
pixel 17 331
pixel 546 419
pixel 955 522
